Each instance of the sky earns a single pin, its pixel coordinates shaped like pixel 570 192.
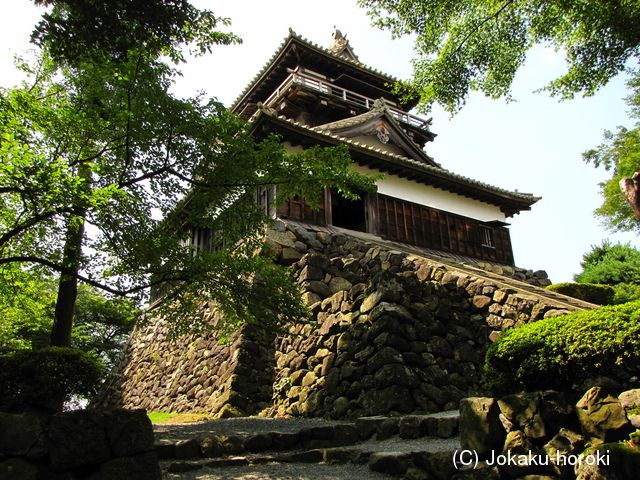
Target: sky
pixel 533 145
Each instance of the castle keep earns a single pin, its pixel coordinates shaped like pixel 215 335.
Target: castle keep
pixel 313 96
pixel 407 286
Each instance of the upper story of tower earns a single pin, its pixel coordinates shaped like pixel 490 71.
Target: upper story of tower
pixel 319 87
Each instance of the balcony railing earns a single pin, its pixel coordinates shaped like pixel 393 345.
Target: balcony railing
pixel 348 96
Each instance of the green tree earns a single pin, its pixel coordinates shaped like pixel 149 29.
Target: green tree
pixel 102 325
pixel 620 154
pixel 94 30
pixel 27 299
pixel 103 172
pixel 480 45
pixel 26 302
pixel 617 265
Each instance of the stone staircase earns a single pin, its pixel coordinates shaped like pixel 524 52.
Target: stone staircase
pixel 415 446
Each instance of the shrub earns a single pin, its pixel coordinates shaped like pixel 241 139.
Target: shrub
pixel 42 379
pixel 589 292
pixel 558 352
pixel 610 264
pixel 626 292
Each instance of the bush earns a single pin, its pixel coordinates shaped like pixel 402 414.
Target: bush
pixel 626 292
pixel 41 379
pixel 589 292
pixel 610 264
pixel 558 352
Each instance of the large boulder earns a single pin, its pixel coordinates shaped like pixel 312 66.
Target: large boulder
pixel 522 412
pixel 559 449
pixel 630 401
pixel 137 467
pixel 390 399
pixel 480 427
pixel 602 417
pixel 129 432
pixel 18 469
pixel 608 462
pixel 22 436
pixel 77 439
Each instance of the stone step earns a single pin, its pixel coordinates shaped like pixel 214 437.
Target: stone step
pixel 333 434
pixel 416 464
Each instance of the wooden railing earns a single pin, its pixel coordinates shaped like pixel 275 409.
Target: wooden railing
pixel 348 96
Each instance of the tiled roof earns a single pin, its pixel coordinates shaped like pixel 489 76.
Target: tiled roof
pixel 379 110
pixel 293 35
pixel 350 121
pixel 437 171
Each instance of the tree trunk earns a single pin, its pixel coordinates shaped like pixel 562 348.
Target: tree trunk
pixel 631 190
pixel 68 285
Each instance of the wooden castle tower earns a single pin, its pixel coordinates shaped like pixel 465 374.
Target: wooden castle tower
pixel 315 96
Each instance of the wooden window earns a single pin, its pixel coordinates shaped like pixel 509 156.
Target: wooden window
pixel 487 236
pixel 297 209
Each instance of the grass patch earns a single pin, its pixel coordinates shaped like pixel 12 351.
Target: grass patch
pixel 163 417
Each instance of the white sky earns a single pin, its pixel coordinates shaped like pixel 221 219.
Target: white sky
pixel 533 145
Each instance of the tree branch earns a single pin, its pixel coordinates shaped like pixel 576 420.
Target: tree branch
pixel 631 190
pixel 183 277
pixel 482 23
pixel 34 221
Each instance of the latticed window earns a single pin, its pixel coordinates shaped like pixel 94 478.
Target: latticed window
pixel 487 236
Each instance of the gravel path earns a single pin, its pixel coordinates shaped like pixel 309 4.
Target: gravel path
pixel 286 471
pixel 282 471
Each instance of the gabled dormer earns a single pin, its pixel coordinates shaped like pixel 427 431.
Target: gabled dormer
pixel 382 128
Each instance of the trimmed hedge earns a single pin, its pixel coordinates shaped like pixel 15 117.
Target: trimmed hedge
pixel 41 379
pixel 589 292
pixel 559 352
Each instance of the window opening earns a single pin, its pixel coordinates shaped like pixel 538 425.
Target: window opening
pixel 487 236
pixel 349 214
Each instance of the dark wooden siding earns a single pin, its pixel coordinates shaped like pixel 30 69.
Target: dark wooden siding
pixel 428 227
pixel 297 209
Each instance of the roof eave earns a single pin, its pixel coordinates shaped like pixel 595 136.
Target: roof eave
pixel 510 203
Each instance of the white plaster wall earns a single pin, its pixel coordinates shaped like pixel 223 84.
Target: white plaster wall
pixel 434 197
pixel 429 196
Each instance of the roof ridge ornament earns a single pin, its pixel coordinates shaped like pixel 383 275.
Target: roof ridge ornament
pixel 379 104
pixel 340 46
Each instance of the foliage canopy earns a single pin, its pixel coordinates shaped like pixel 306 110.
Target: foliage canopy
pixel 27 301
pixel 610 264
pixel 104 174
pixel 617 265
pixel 39 379
pixel 589 292
pixel 469 45
pixel 95 30
pixel 619 153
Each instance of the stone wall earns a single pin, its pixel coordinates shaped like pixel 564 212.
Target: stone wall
pixel 191 374
pixel 390 331
pixel 82 445
pixel 548 434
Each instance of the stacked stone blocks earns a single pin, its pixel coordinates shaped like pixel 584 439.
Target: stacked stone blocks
pixel 389 332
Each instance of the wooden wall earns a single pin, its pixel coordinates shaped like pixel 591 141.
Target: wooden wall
pixel 429 227
pixel 416 224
